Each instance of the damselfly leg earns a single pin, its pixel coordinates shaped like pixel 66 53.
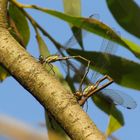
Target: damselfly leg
pixel 53 58
pixel 98 88
pixel 92 89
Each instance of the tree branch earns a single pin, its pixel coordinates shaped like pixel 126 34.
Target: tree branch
pixel 45 88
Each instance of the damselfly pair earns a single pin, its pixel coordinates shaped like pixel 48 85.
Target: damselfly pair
pixel 113 96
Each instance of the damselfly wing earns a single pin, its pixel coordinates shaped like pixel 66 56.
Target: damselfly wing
pixel 119 98
pixel 73 40
pixel 113 96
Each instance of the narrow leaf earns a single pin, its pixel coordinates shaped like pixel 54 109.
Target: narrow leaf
pixel 20 22
pixel 14 31
pixel 128 19
pixel 92 25
pixel 43 49
pixel 73 8
pixel 114 124
pixel 124 72
pixel 116 120
pixel 136 48
pixel 3 74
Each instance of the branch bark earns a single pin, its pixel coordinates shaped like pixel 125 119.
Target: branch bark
pixel 45 88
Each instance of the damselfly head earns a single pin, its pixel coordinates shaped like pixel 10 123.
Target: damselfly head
pixel 41 59
pixel 78 95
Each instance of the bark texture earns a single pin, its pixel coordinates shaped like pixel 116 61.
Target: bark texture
pixel 45 88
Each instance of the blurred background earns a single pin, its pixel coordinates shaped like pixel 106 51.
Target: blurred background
pixel 17 103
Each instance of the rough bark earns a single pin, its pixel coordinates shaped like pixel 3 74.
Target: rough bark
pixel 45 88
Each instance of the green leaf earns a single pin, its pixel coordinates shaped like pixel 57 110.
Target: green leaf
pixel 124 72
pixel 3 74
pixel 115 123
pixel 135 47
pixel 43 49
pixel 73 8
pixel 126 13
pixel 21 23
pixel 44 52
pixel 94 26
pixel 116 120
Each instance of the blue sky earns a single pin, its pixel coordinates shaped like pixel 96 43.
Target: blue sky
pixel 17 102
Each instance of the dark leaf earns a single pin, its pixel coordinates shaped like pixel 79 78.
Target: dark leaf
pixel 124 72
pixel 126 13
pixel 20 22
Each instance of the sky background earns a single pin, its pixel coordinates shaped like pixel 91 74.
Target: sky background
pixel 15 101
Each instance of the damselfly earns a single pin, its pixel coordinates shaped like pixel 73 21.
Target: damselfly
pixel 53 58
pixel 113 96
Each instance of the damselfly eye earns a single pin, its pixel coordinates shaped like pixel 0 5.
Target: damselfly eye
pixel 41 57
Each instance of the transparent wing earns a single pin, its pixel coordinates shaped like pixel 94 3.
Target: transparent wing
pixel 111 97
pixel 72 40
pixel 119 98
pixel 109 47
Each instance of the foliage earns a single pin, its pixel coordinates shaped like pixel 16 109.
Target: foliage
pixel 124 72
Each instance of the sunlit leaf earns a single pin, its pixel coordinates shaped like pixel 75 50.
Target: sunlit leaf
pixel 3 73
pixel 136 47
pixel 43 49
pixel 44 52
pixel 124 72
pixel 20 22
pixel 114 124
pixel 128 19
pixel 73 8
pixel 94 26
pixel 116 120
